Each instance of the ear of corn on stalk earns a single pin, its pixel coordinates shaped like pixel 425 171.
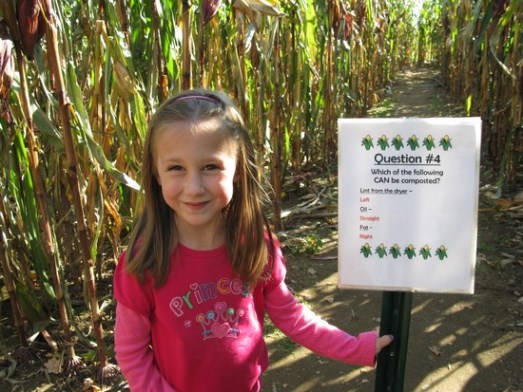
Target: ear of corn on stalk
pixel 31 24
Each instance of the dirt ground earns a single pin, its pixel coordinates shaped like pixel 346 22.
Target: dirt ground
pixel 456 342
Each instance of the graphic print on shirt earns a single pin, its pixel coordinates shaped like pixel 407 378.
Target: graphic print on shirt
pixel 219 320
pixel 223 322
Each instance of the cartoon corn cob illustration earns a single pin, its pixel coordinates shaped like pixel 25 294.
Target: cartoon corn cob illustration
pixel 367 142
pixel 441 252
pixel 397 142
pixel 381 250
pixel 425 252
pixel 445 142
pixel 410 251
pixel 395 251
pixel 428 142
pixel 366 250
pixel 413 142
pixel 383 142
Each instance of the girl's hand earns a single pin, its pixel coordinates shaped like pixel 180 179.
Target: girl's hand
pixel 383 341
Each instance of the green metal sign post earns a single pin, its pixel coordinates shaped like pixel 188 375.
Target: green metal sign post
pixel 395 320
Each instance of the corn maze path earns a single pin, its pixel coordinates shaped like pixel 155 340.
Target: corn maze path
pixel 456 342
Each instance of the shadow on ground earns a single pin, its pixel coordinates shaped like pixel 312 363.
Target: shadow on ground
pixel 456 342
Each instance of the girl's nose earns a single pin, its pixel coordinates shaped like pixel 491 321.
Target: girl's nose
pixel 194 184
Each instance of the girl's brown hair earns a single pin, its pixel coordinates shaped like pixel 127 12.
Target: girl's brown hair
pixel 247 232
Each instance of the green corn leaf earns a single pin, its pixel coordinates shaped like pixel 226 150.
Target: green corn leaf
pixel 81 116
pixel 30 304
pixel 44 124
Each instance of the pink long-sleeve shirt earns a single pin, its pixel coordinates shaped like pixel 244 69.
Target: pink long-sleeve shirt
pixel 203 329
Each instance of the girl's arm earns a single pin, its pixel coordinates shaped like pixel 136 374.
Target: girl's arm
pixel 307 329
pixel 132 338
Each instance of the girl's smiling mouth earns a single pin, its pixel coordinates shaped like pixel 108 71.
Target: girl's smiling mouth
pixel 196 205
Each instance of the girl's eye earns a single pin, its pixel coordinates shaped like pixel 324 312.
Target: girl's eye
pixel 175 168
pixel 210 167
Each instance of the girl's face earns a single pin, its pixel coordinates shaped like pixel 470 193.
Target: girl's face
pixel 195 167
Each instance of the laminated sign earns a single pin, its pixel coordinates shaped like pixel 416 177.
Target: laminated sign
pixel 408 203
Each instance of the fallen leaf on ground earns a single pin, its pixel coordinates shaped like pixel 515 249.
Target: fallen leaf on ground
pixel 90 386
pixel 435 350
pixel 54 364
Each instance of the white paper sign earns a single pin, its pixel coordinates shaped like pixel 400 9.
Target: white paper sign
pixel 408 201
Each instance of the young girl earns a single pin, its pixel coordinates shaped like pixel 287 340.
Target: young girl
pixel 202 267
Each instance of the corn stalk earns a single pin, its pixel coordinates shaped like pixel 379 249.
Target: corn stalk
pixel 276 136
pixel 9 279
pixel 72 176
pixel 48 244
pixel 481 64
pixel 186 67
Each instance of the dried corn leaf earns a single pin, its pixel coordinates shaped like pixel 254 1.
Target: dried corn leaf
pixel 266 7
